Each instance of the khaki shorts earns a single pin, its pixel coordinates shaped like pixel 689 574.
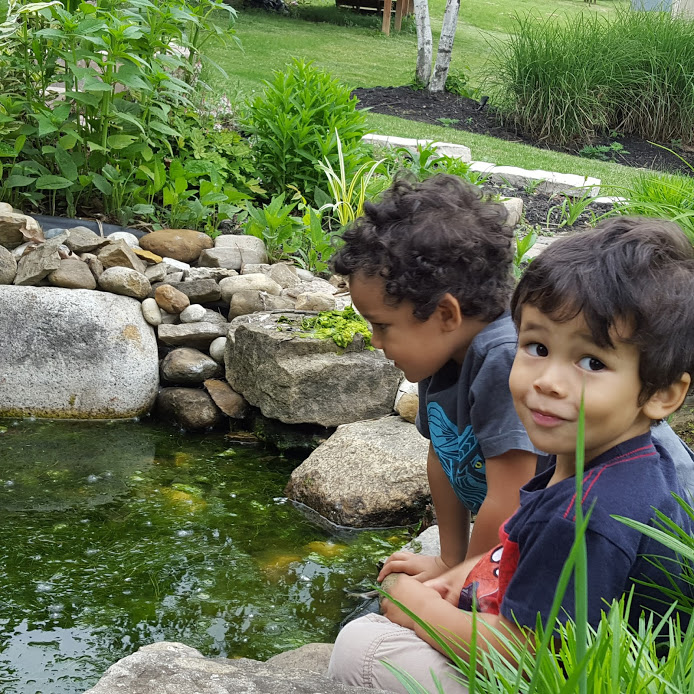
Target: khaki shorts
pixel 366 641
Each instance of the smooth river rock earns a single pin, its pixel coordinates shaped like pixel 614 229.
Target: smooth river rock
pixel 75 353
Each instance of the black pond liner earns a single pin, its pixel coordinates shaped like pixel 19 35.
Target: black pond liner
pixel 47 222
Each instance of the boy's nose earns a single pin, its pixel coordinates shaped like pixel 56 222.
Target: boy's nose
pixel 376 340
pixel 550 382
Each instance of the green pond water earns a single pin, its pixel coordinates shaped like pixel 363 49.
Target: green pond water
pixel 118 534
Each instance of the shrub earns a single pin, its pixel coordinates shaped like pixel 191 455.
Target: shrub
pixel 570 81
pixel 106 142
pixel 294 124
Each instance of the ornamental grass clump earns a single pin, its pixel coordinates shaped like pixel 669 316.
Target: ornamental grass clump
pixel 565 82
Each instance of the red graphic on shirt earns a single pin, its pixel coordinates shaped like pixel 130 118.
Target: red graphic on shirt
pixel 486 584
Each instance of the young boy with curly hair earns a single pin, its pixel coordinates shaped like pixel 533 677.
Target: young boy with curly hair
pixel 395 275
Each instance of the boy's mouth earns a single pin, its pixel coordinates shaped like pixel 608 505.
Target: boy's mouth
pixel 546 419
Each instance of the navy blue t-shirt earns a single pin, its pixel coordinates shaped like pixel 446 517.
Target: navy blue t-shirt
pixel 630 480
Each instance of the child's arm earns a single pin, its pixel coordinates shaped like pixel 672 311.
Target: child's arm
pixel 427 604
pixel 454 529
pixel 506 474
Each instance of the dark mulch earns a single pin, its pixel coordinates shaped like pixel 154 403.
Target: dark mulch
pixel 421 105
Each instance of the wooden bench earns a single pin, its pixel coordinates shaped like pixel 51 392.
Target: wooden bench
pixel 401 8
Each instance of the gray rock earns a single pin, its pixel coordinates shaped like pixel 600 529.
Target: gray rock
pixel 192 314
pixel 17 228
pixel 314 657
pixel 217 349
pixel 258 282
pixel 251 301
pixel 196 335
pixel 38 263
pixel 8 266
pixel 284 274
pixel 212 316
pixel 126 236
pixel 55 231
pixel 95 266
pixel 305 275
pixel 187 366
pixel 189 408
pixel 174 265
pixel 198 291
pixel 315 302
pixel 83 240
pixel 119 254
pixel 151 312
pixel 125 281
pixel 168 318
pixel 174 668
pixel 174 277
pixel 208 273
pixel 72 274
pixel 75 353
pixel 367 474
pixel 233 252
pixel 156 273
pixel 307 380
pixel 315 286
pixel 255 268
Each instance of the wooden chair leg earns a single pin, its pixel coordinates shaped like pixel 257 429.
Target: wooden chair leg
pixel 399 11
pixel 387 6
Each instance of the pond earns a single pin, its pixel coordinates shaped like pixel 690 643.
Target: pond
pixel 119 534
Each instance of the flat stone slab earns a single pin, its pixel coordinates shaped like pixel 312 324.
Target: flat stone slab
pixel 449 149
pixel 550 181
pixel 75 353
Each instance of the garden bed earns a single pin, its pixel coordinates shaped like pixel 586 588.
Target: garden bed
pixel 461 113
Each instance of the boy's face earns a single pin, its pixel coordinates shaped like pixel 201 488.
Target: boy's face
pixel 553 364
pixel 418 348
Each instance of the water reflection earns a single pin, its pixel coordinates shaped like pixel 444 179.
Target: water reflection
pixel 115 535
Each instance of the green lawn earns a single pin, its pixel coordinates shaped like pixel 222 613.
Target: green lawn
pixel 364 57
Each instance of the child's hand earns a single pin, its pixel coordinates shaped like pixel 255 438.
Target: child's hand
pixel 419 566
pixel 449 584
pixel 411 593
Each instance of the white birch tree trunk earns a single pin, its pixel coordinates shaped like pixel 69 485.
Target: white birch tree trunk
pixel 443 56
pixel 424 41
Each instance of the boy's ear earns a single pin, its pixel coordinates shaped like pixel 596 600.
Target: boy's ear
pixel 449 312
pixel 666 401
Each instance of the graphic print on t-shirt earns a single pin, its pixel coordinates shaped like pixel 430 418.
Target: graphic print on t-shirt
pixel 460 456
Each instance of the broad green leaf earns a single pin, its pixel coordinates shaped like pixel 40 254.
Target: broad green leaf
pixel 52 182
pixel 87 99
pixel 45 125
pixel 68 141
pixel 120 141
pixel 163 128
pixel 17 181
pixel 180 185
pixel 101 184
pixel 19 143
pixel 67 166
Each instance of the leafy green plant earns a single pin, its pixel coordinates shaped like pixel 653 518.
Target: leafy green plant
pixel 423 160
pixel 275 225
pixel 348 196
pixel 448 122
pixel 95 98
pixel 339 326
pixel 458 82
pixel 571 208
pixel 294 123
pixel 531 186
pixel 524 242
pixel 603 152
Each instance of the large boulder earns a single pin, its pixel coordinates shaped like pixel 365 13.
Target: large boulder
pixel 75 353
pixel 367 474
pixel 174 668
pixel 180 244
pixel 306 380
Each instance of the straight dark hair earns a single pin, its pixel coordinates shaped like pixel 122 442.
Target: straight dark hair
pixel 629 272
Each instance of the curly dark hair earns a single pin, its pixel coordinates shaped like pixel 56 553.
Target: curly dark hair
pixel 630 270
pixel 432 238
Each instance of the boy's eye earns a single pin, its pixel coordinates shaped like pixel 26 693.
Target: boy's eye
pixel 378 326
pixel 536 349
pixel 591 364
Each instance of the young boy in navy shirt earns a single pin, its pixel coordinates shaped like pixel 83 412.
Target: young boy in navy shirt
pixel 604 315
pixel 431 267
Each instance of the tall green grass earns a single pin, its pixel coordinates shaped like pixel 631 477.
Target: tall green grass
pixel 562 81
